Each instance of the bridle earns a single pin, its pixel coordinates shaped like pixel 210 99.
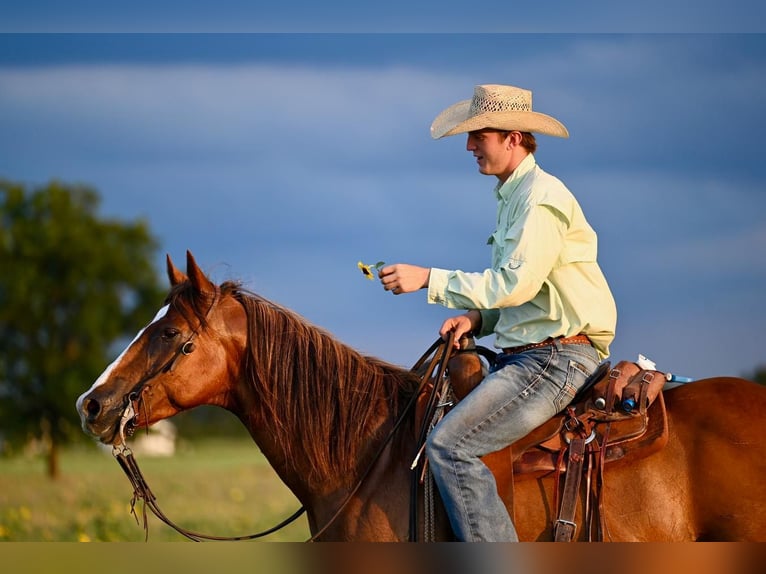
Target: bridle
pixel 134 396
pixel 433 370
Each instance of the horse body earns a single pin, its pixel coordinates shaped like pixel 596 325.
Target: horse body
pixel 703 485
pixel 321 413
pixel 718 425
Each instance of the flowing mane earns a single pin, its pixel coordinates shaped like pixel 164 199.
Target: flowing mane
pixel 310 385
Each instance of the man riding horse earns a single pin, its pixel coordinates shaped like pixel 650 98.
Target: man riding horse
pixel 544 298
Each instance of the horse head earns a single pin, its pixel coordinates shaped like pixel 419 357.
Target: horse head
pixel 173 364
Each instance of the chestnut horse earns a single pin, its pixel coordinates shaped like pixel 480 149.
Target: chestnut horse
pixel 322 415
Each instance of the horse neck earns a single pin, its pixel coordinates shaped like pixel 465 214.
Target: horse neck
pixel 319 412
pixel 322 425
pixel 380 471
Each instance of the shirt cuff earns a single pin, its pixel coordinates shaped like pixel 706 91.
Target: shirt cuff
pixel 437 286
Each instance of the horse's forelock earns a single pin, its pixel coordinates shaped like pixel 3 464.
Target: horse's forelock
pixel 190 303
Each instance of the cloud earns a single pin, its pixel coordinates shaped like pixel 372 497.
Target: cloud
pixel 395 15
pixel 284 173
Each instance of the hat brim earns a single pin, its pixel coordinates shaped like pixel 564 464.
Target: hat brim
pixel 456 119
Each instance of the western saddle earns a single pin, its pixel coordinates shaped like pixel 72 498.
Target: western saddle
pixel 618 414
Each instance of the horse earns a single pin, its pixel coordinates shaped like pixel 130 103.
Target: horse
pixel 338 428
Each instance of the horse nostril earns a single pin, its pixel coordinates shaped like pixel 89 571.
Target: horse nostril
pixel 93 408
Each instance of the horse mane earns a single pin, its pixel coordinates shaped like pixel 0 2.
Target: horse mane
pixel 324 399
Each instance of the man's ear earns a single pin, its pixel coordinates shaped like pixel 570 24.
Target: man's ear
pixel 514 138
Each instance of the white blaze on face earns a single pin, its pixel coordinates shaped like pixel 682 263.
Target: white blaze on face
pixel 105 375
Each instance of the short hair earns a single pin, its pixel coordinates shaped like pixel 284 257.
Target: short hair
pixel 528 141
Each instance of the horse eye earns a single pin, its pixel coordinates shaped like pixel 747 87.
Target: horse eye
pixel 170 333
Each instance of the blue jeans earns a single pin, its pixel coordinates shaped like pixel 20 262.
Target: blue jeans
pixel 523 391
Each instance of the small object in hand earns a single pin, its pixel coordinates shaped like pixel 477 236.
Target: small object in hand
pixel 370 271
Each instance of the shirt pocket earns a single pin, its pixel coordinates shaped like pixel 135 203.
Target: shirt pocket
pixel 499 259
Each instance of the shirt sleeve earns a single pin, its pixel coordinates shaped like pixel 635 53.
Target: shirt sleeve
pixel 529 249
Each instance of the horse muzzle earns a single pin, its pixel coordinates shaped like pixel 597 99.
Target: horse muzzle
pixel 104 417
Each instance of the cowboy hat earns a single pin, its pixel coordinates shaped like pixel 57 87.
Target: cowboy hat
pixel 498 107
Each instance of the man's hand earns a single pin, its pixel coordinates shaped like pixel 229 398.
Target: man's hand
pixel 402 278
pixel 461 324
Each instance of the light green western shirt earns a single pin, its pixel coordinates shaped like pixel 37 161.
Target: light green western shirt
pixel 544 280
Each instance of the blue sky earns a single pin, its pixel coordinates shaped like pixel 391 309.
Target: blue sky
pixel 282 159
pixel 502 16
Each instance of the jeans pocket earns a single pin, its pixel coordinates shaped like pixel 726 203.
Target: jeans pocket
pixel 577 373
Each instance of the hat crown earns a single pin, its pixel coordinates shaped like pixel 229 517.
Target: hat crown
pixel 499 98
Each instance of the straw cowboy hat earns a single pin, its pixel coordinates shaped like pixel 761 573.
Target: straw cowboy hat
pixel 498 107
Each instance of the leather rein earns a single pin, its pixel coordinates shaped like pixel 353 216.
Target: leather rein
pixel 439 354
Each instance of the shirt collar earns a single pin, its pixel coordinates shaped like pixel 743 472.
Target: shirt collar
pixel 505 189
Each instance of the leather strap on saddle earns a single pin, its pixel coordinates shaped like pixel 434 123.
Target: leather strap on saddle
pixel 578 436
pixel 564 528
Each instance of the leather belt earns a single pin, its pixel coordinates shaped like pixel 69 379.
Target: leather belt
pixel 574 340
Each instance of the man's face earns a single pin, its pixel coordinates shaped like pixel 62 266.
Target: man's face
pixel 492 153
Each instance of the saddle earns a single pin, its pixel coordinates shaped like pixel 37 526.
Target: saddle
pixel 601 412
pixel 618 415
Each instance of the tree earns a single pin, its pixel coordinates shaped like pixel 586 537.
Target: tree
pixel 758 375
pixel 71 285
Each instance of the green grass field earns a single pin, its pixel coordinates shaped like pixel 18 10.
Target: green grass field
pixel 222 487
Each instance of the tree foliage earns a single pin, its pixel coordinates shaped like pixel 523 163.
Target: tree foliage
pixel 71 285
pixel 758 375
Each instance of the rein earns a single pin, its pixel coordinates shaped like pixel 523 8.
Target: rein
pixel 142 491
pixel 439 354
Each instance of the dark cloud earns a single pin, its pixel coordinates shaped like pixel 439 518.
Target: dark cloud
pixel 392 16
pixel 288 160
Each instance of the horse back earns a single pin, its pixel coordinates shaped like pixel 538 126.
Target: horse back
pixel 705 483
pixel 725 406
pixel 720 423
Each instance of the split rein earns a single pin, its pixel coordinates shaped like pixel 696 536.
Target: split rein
pixel 142 491
pixel 439 354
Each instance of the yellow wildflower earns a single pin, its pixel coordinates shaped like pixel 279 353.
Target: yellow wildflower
pixel 370 271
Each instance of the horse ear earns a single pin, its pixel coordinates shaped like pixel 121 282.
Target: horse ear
pixel 198 279
pixel 175 275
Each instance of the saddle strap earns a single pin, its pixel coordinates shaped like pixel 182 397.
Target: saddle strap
pixel 601 525
pixel 646 380
pixel 565 526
